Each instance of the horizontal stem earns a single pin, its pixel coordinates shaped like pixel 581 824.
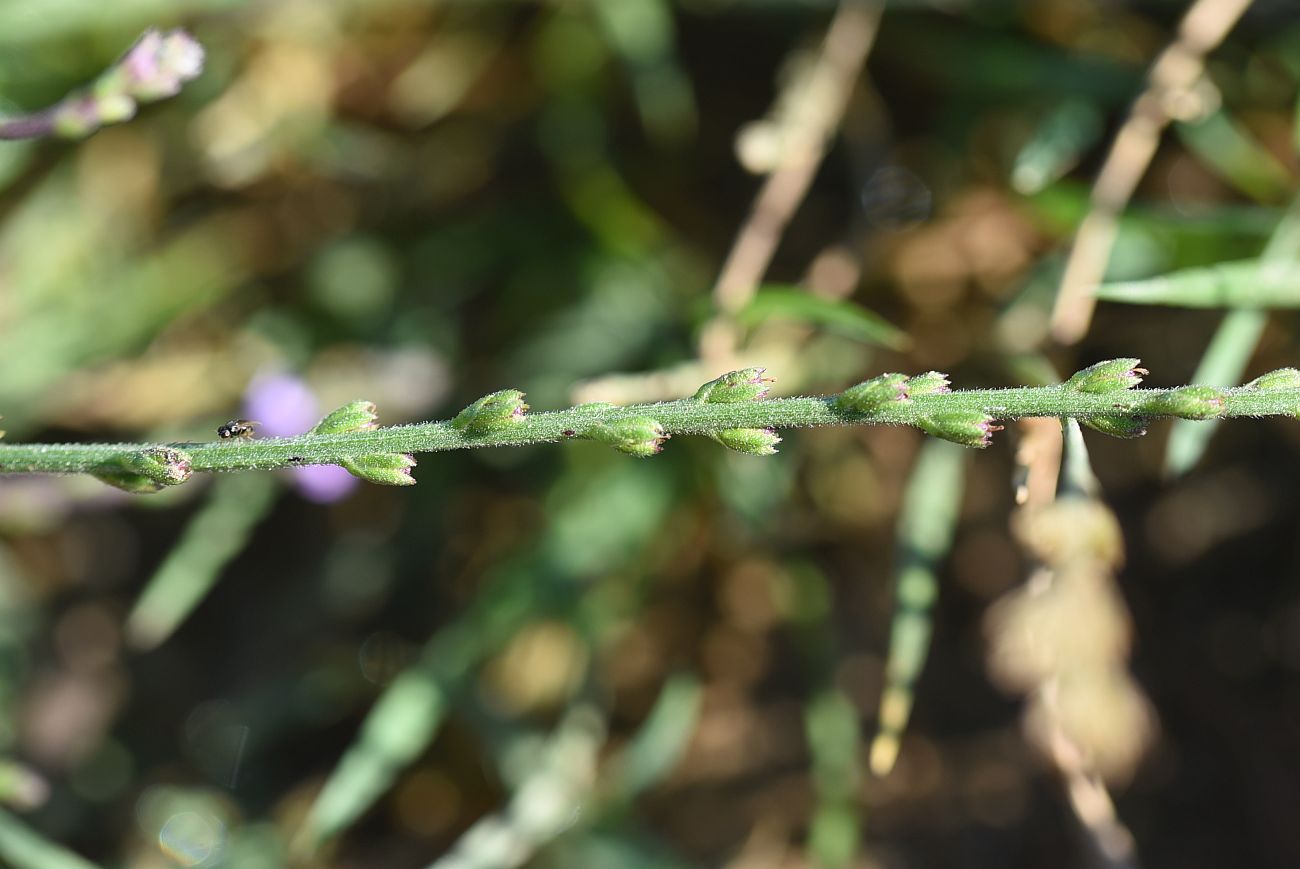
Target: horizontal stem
pixel 682 417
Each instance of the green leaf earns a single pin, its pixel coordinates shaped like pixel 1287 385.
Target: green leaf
pixel 24 848
pixel 214 537
pixel 929 516
pixel 1230 151
pixel 776 302
pixel 1245 283
pixel 1223 363
pixel 1062 136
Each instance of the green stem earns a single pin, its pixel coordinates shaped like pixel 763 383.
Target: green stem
pixel 682 417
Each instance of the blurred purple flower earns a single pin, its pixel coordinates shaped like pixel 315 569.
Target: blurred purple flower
pixel 286 406
pixel 159 63
pixel 324 484
pixel 282 404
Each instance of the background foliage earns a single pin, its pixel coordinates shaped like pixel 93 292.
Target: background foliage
pixel 574 658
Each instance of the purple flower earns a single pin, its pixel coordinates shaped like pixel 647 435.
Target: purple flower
pixel 286 406
pixel 282 404
pixel 159 63
pixel 323 484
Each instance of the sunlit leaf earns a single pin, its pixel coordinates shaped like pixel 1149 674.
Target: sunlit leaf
pixel 790 303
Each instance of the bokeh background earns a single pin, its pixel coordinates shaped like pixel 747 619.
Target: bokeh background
pixel 560 656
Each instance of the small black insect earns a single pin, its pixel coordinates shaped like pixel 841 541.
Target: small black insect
pixel 237 428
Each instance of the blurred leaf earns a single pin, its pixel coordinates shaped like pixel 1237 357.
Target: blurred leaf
pixel 215 536
pixel 600 517
pixel 926 524
pixel 776 302
pixel 641 32
pixel 1226 232
pixel 1236 156
pixel 543 806
pixel 1233 344
pixel 24 848
pixel 832 725
pixel 1250 283
pixel 1066 133
pixel 60 19
pixel 661 740
pixel 1223 364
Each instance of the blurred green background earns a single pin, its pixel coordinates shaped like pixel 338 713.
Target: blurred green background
pixel 560 656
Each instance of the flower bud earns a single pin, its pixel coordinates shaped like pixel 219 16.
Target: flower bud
pixel 387 469
pixel 873 394
pixel 1274 381
pixel 639 436
pixel 747 384
pixel 156 66
pixel 929 383
pixel 755 441
pixel 970 428
pixel 146 471
pixel 1117 426
pixel 492 413
pixel 353 416
pixel 1112 375
pixel 1188 402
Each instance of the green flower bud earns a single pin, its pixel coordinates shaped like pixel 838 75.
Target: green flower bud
pixel 970 428
pixel 1188 402
pixel 873 394
pixel 1112 375
pixel 387 469
pixel 639 436
pixel 492 413
pixel 755 441
pixel 1117 426
pixel 747 384
pixel 353 416
pixel 146 471
pixel 1275 381
pixel 929 383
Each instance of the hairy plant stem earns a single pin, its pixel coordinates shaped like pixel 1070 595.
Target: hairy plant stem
pixel 682 417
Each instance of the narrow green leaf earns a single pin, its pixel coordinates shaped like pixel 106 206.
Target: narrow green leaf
pixel 1064 134
pixel 1236 156
pixel 1224 362
pixel 1251 283
pixel 23 848
pixel 216 534
pixel 1230 350
pixel 776 302
pixel 661 740
pixel 925 531
pixel 831 722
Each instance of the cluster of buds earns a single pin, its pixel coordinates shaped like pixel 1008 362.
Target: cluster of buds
pixel 734 387
pixel 1111 375
pixel 492 414
pixel 387 469
pixel 155 68
pixel 970 428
